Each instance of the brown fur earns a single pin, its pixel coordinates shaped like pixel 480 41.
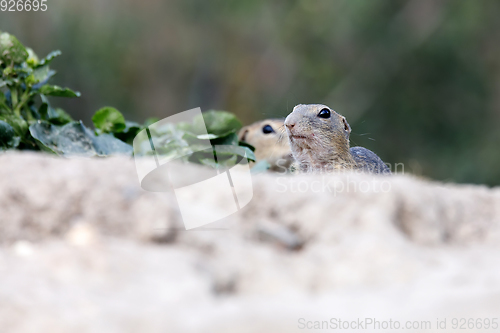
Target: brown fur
pixel 272 147
pixel 322 144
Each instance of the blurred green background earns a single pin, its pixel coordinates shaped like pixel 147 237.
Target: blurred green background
pixel 418 80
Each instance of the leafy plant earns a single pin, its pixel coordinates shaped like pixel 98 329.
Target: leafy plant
pixel 28 120
pixel 209 139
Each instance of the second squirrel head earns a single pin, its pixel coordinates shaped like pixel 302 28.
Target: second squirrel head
pixel 270 141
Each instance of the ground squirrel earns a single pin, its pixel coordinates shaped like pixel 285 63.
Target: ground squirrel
pixel 319 139
pixel 267 136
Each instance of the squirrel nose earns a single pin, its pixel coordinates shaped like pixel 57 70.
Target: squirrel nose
pixel 290 125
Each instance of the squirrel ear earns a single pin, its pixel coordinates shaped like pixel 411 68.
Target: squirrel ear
pixel 243 133
pixel 347 128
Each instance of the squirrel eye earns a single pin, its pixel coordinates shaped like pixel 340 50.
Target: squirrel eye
pixel 267 129
pixel 325 113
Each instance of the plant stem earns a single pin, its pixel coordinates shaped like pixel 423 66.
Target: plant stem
pixel 13 96
pixel 5 106
pixel 23 101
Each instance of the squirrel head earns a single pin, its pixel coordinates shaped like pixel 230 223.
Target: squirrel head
pixel 318 135
pixel 269 139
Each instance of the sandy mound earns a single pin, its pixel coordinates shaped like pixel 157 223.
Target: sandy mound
pixel 84 248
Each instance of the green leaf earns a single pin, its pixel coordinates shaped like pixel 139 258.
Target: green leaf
pixel 43 74
pixel 33 111
pixel 246 144
pixel 186 127
pixel 58 116
pixel 32 60
pixel 49 58
pixel 75 139
pixel 131 125
pixel 129 133
pixel 58 91
pixel 229 139
pixel 3 103
pixel 229 162
pixel 235 150
pixel 209 162
pixel 43 110
pixel 107 144
pixel 18 124
pixel 30 80
pixel 67 140
pixel 8 137
pixel 11 50
pixel 55 116
pixel 216 122
pixel 109 120
pixel 172 151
